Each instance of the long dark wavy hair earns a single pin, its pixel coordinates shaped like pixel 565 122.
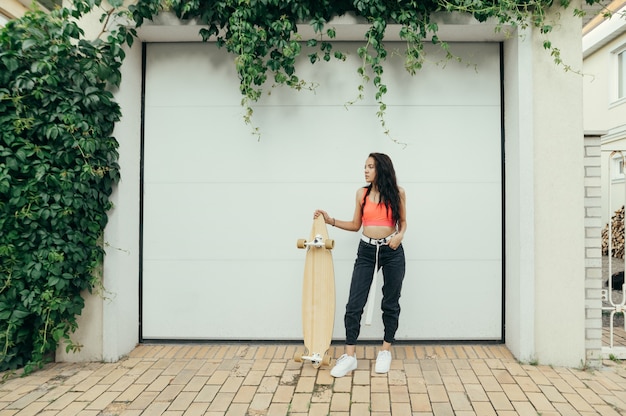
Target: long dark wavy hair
pixel 385 181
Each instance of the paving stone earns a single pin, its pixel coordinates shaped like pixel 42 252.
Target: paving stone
pixel 361 394
pixel 379 385
pixel 540 402
pixel 64 400
pixel 301 402
pixel 420 402
pixel 499 401
pixel 468 376
pixel 245 394
pixel 416 385
pixel 524 408
pixel 103 400
pixel 322 393
pixel 379 402
pixel 319 409
pixel 401 409
pixel 484 409
pixel 453 383
pixel 432 377
pixel 437 393
pixel 340 402
pixel 261 401
pixel 169 393
pixel 552 394
pixel 514 392
pixel 342 385
pixel 221 402
pixel 459 401
pixel 490 383
pixel 443 409
pixel 476 393
pixel 399 394
pixel 361 377
pixel 578 402
pixel 305 384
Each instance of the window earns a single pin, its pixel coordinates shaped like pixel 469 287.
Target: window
pixel 617 167
pixel 621 75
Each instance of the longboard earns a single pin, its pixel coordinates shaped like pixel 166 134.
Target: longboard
pixel 318 295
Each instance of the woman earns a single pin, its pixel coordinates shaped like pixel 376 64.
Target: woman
pixel 381 210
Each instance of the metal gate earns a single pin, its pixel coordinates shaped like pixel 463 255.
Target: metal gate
pixel 614 302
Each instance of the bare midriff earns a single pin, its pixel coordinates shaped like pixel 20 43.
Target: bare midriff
pixel 377 232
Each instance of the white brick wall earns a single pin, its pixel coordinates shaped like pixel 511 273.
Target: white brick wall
pixel 593 255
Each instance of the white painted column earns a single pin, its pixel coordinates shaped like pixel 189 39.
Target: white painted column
pixel 545 176
pixel 121 266
pixel 519 197
pixel 108 327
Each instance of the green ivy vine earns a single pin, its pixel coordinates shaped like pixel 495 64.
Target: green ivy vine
pixel 58 166
pixel 58 158
pixel 262 34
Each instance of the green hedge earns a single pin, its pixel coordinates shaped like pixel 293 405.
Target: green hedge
pixel 58 166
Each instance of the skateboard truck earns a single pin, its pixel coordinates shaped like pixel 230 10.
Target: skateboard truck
pixel 317 242
pixel 316 359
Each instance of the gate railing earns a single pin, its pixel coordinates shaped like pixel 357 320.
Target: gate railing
pixel 609 304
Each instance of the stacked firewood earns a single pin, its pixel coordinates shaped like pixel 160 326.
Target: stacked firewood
pixel 617 234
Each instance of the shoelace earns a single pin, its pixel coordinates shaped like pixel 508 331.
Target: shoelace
pixel 343 358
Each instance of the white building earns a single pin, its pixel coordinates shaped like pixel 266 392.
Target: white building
pixel 604 105
pixel 604 47
pixel 201 241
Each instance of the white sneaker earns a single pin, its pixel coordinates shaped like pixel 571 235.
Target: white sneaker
pixel 383 362
pixel 344 365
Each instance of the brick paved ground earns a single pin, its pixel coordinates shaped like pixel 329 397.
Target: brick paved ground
pixel 251 379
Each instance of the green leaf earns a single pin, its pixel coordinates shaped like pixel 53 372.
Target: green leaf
pixel 28 43
pixel 18 314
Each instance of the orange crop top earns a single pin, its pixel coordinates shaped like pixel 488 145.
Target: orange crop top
pixel 376 214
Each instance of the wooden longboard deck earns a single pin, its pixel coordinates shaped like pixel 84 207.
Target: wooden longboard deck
pixel 318 295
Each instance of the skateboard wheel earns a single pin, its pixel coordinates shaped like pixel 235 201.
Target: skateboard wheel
pixel 329 244
pixel 297 358
pixel 327 360
pixel 301 243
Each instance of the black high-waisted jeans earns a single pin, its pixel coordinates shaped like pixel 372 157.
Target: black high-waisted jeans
pixel 393 264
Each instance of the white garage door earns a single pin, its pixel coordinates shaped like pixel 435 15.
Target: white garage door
pixel 222 209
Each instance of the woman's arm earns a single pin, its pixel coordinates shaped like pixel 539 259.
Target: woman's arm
pixel 355 224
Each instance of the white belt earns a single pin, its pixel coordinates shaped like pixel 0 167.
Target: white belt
pixel 372 293
pixel 378 241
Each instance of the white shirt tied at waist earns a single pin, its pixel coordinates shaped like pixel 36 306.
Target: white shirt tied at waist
pixel 372 294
